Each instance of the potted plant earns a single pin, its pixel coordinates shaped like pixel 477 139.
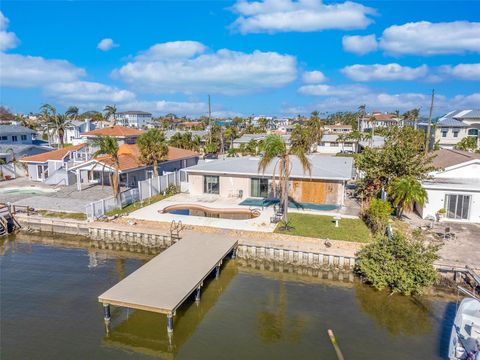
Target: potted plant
pixel 441 214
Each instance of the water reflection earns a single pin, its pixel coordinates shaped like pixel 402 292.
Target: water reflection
pixel 399 315
pixel 145 332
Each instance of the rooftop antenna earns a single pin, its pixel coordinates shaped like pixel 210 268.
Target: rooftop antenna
pixel 427 141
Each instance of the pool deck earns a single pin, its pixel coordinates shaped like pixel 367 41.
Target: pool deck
pixel 153 213
pixel 166 281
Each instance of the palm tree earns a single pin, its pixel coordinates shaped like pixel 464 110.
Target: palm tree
pixel 72 112
pixel 362 110
pixel 314 126
pixel 108 145
pixel 405 192
pixel 48 111
pixel 110 110
pixel 153 148
pixel 230 133
pixel 58 123
pixel 276 151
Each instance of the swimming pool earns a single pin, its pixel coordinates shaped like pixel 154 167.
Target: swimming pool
pixel 25 190
pixel 259 202
pixel 204 211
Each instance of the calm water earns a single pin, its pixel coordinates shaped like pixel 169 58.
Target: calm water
pixel 49 311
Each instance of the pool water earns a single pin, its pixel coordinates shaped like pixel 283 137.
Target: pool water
pixel 50 310
pixel 25 190
pixel 259 202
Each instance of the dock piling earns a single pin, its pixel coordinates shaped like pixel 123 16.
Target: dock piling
pixel 197 294
pixel 170 323
pixel 217 271
pixel 106 312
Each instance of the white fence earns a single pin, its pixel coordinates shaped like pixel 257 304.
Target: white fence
pixel 146 189
pixel 99 208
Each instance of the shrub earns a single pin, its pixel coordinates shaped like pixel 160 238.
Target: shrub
pixel 172 190
pixel 377 215
pixel 402 265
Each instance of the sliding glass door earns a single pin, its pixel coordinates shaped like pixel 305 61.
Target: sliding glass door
pixel 211 185
pixel 259 188
pixel 457 206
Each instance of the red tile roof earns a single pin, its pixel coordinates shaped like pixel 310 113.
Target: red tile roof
pixel 129 155
pixel 116 131
pixel 53 155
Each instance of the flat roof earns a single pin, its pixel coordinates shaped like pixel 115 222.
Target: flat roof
pixel 323 167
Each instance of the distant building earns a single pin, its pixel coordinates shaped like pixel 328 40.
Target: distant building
pixel 124 135
pixel 455 126
pixel 16 134
pixel 330 144
pixel 337 129
pixel 377 120
pixel 135 119
pixel 455 187
pixel 73 131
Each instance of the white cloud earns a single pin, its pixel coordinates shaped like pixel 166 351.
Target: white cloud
pixel 8 40
pixel 462 71
pixel 172 50
pixel 225 72
pixel 360 45
pixel 330 90
pixel 86 92
pixel 106 44
pixel 384 72
pixel 313 77
pixel 302 16
pixel 32 71
pixel 426 38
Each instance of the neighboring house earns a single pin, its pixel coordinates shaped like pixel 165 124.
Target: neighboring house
pixel 330 145
pixel 246 138
pixel 375 142
pixel 337 129
pixel 73 132
pixel 134 119
pixel 131 170
pixel 455 126
pixel 53 167
pixel 455 188
pixel 124 135
pixel 239 177
pixel 16 134
pixel 380 120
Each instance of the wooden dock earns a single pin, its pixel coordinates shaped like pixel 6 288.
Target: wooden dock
pixel 166 281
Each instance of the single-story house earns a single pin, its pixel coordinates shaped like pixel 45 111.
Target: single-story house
pixel 124 135
pixel 455 187
pixel 337 129
pixel 331 145
pixel 131 169
pixel 239 177
pixel 246 138
pixel 52 167
pixel 16 134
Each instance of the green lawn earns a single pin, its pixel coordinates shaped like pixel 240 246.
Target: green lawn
pixel 63 215
pixel 320 226
pixel 137 205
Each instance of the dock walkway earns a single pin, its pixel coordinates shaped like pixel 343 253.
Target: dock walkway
pixel 166 281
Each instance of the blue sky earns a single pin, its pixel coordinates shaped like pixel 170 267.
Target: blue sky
pixel 278 57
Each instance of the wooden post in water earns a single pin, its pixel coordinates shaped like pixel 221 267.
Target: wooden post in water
pixel 335 345
pixel 170 323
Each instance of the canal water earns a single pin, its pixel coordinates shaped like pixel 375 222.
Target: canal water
pixel 49 310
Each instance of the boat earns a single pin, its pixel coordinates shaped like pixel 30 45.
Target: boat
pixel 465 337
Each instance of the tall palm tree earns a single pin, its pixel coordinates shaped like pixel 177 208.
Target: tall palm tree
pixel 276 151
pixel 58 123
pixel 109 111
pixel 108 145
pixel 48 111
pixel 153 148
pixel 314 125
pixel 362 110
pixel 405 192
pixel 230 133
pixel 72 112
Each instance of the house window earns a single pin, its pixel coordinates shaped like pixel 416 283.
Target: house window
pixel 3 138
pixel 23 137
pixel 457 206
pixel 259 187
pixel 444 132
pixel 14 138
pixel 211 185
pixel 455 133
pixel 473 132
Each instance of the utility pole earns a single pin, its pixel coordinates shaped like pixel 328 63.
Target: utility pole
pixel 427 142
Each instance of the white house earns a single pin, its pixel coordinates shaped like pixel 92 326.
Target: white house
pixel 73 131
pixel 330 144
pixel 456 125
pixel 135 119
pixel 455 187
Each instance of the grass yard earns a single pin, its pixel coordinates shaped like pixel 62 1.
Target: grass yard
pixel 137 205
pixel 323 227
pixel 63 215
